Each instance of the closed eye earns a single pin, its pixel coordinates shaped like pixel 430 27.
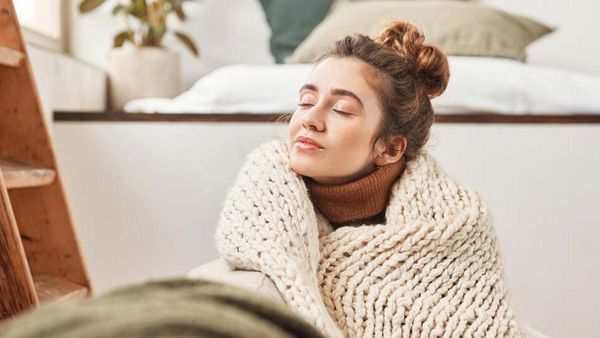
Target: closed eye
pixel 304 105
pixel 341 112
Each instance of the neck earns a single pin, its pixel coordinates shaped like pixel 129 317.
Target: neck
pixel 335 180
pixel 356 200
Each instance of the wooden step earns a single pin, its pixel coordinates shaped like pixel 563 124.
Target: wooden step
pixel 50 288
pixel 20 175
pixel 10 57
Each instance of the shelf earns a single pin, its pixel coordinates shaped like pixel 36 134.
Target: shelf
pixel 40 256
pixel 51 288
pixel 19 175
pixel 10 57
pixel 472 117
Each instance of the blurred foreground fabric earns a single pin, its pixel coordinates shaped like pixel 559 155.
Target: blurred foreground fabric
pixel 178 307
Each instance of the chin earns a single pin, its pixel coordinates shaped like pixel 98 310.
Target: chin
pixel 300 167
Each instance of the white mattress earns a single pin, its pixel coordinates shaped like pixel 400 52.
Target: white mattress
pixel 477 84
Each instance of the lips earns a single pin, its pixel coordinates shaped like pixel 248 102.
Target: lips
pixel 308 140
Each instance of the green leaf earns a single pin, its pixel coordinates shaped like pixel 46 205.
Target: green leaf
pixel 188 43
pixel 179 11
pixel 139 10
pixel 88 5
pixel 121 37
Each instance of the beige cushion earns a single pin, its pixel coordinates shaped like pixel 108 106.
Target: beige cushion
pixel 531 333
pixel 219 271
pixel 459 28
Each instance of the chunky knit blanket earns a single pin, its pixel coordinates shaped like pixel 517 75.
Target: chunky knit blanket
pixel 434 269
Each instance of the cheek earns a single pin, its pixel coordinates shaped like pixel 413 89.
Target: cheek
pixel 293 125
pixel 351 137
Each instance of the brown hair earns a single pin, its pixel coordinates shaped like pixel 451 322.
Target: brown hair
pixel 405 73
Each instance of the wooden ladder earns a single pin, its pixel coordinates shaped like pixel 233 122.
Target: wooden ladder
pixel 39 253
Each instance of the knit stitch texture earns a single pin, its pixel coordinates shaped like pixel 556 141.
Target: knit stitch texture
pixel 433 269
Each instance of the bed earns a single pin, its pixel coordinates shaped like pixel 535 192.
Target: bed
pixel 486 47
pixel 478 85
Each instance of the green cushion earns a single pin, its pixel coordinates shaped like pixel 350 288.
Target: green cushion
pixel 457 27
pixel 291 21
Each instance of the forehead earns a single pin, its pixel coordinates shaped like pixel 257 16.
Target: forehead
pixel 346 73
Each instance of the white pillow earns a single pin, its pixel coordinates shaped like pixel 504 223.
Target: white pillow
pixel 477 84
pixel 508 86
pixel 235 88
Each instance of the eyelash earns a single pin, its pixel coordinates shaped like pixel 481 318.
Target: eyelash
pixel 337 111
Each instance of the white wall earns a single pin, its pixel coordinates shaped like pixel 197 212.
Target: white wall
pixel 65 83
pixel 146 197
pixel 226 32
pixel 235 31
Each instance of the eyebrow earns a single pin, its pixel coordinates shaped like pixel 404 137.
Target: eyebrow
pixel 334 91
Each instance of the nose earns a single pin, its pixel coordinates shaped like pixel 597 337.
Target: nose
pixel 312 119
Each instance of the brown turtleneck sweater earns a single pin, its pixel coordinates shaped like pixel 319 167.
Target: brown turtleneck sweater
pixel 362 201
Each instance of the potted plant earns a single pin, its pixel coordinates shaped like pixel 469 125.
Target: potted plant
pixel 148 69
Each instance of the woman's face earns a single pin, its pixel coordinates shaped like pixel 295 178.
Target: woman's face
pixel 341 112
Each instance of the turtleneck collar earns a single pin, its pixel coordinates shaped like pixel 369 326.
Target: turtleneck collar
pixel 360 201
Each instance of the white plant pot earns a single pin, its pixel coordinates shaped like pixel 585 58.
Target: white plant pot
pixel 142 72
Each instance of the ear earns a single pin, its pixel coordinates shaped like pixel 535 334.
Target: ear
pixel 387 155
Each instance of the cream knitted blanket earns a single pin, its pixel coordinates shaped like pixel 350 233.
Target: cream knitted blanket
pixel 434 269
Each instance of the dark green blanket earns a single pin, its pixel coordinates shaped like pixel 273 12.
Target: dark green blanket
pixel 164 308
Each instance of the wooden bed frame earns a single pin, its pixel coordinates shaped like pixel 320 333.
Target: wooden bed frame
pixel 478 117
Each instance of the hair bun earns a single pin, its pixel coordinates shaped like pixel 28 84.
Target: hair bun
pixel 429 62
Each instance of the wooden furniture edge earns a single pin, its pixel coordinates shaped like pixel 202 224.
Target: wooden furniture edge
pixel 478 118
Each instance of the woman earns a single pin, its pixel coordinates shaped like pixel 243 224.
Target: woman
pixel 366 105
pixel 359 228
